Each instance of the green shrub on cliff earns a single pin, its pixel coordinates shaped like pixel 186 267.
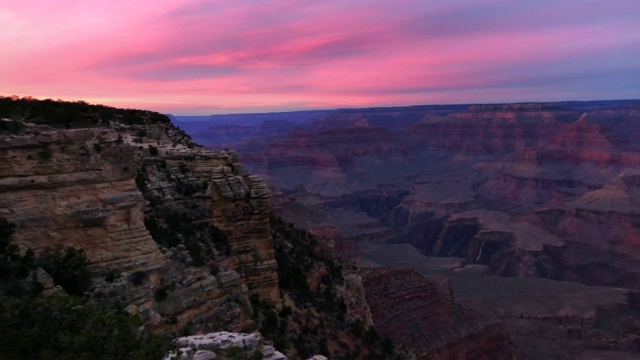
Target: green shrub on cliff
pixel 314 319
pixel 60 326
pixel 45 153
pixel 66 327
pixel 68 268
pixel 14 267
pixel 73 113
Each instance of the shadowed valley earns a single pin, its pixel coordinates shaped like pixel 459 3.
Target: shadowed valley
pixel 530 211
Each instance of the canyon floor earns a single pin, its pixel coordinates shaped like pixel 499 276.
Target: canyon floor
pixel 543 317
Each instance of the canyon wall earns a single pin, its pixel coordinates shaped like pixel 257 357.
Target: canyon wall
pixel 409 309
pixel 522 191
pixel 542 183
pixel 81 188
pixel 179 235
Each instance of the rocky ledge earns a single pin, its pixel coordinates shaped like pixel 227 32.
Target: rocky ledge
pixel 121 194
pixel 223 345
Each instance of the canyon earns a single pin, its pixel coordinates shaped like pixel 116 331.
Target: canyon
pixel 534 198
pixel 433 232
pixel 179 237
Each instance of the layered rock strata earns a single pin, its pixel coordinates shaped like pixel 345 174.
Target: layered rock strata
pixel 407 308
pixel 76 188
pixel 81 188
pixel 214 188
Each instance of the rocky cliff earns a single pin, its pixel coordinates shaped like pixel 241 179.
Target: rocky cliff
pixel 175 234
pixel 76 187
pixel 80 188
pixel 517 190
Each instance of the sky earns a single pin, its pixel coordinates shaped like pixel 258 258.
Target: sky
pixel 199 57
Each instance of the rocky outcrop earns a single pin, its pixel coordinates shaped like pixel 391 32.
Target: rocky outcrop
pixel 82 188
pixel 214 188
pixel 354 295
pixel 223 345
pixel 76 188
pixel 407 308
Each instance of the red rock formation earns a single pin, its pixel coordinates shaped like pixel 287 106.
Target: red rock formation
pixel 407 308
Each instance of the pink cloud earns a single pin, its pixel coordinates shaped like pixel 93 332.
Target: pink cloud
pixel 223 56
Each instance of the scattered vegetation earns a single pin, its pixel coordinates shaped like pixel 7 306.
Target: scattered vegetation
pixel 295 262
pixel 142 178
pixel 68 268
pixel 62 325
pixel 183 168
pixel 315 323
pixel 163 291
pixel 76 114
pixel 112 276
pixel 189 189
pixel 67 327
pixel 45 153
pixel 137 278
pixel 172 228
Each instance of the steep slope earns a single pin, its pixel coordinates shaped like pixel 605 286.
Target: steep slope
pixel 83 192
pixel 517 190
pixel 77 187
pixel 175 234
pixel 408 308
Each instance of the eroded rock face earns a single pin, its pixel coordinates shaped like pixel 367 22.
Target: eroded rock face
pixel 518 190
pixel 407 308
pixel 81 188
pixel 559 173
pixel 214 188
pixel 76 188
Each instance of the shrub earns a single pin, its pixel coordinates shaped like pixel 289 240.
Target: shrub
pixel 153 151
pixel 66 327
pixel 142 177
pixel 257 355
pixel 235 352
pixel 11 126
pixel 13 267
pixel 163 291
pixel 138 277
pixel 68 268
pixel 45 154
pixel 112 276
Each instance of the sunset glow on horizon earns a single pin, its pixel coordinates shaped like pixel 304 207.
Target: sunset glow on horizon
pixel 205 57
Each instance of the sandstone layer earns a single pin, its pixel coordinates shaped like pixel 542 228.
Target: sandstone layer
pixel 82 188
